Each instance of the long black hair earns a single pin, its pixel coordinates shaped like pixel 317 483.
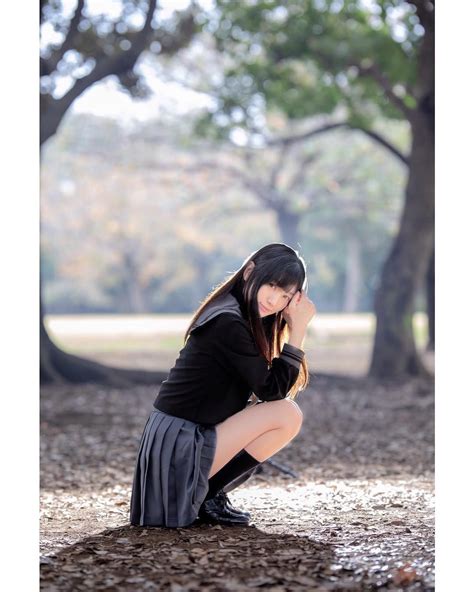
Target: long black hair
pixel 275 263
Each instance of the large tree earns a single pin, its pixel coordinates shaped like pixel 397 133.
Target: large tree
pixel 77 51
pixel 350 61
pixel 297 180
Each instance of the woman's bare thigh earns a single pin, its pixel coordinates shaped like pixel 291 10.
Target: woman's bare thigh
pixel 238 430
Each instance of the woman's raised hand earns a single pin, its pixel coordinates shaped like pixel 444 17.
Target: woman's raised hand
pixel 300 311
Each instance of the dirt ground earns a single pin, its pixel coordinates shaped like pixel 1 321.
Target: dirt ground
pixel 359 515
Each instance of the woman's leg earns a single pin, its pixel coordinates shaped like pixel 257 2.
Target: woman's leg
pixel 261 429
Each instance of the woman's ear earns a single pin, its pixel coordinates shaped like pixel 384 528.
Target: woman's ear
pixel 248 270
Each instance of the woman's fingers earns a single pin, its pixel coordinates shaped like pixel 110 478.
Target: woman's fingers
pixel 300 309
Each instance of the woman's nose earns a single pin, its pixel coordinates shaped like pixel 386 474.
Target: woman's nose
pixel 271 300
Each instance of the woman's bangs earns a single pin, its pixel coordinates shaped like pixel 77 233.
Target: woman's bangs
pixel 289 278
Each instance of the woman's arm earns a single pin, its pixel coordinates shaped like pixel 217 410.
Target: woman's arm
pixel 298 315
pixel 296 337
pixel 234 345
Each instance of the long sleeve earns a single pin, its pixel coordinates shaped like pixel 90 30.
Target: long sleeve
pixel 235 345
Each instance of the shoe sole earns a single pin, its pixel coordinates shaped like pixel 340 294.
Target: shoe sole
pixel 246 515
pixel 223 522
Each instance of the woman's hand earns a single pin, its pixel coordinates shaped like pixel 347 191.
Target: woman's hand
pixel 299 311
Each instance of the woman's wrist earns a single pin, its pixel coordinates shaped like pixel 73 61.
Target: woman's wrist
pixel 296 336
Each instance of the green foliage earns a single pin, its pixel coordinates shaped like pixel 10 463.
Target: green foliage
pixel 81 45
pixel 308 57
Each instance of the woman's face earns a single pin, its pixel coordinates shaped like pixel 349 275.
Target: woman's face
pixel 272 299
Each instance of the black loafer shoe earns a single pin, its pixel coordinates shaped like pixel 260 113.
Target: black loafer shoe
pixel 226 501
pixel 215 511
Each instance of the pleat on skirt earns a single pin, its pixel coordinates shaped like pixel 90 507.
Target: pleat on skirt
pixel 172 471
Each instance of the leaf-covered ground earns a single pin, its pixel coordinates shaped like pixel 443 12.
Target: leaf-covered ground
pixel 360 515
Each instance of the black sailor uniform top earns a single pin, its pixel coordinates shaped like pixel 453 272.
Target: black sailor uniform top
pixel 220 367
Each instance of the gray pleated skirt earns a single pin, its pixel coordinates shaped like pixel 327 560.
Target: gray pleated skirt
pixel 172 471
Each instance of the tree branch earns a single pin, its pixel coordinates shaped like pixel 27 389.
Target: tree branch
pixel 41 6
pixel 45 68
pixel 384 142
pixel 374 72
pixel 68 42
pixel 329 127
pixel 278 165
pixel 125 60
pixel 268 196
pixel 301 173
pixel 424 10
pixel 171 43
pixel 107 65
pixel 287 140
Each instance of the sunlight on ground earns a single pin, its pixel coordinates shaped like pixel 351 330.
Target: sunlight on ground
pixel 376 523
pixel 336 343
pixel 325 325
pixel 300 507
pixel 319 502
pixel 378 526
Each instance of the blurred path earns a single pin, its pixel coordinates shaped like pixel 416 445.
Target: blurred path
pixel 169 324
pixel 335 344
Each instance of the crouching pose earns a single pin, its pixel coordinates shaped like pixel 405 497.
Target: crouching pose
pixel 203 438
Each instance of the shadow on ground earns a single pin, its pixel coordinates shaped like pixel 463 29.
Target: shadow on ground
pixel 201 557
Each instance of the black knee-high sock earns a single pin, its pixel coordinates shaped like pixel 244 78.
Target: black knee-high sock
pixel 241 463
pixel 240 479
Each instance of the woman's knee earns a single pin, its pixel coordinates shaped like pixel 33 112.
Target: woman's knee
pixel 290 414
pixel 296 415
pixel 243 428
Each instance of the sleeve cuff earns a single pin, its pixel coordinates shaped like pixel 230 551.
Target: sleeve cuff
pixel 293 355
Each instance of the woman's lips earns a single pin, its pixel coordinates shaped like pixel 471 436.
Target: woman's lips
pixel 264 309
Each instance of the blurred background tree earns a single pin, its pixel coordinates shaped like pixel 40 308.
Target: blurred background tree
pixel 145 217
pixel 350 61
pixel 79 49
pixel 172 215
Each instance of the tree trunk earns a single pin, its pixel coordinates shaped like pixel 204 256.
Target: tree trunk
pixel 353 276
pixel 134 295
pixel 430 302
pixel 288 225
pixel 51 116
pixel 55 364
pixel 394 352
pixel 58 366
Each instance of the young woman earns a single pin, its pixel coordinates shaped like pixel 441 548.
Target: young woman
pixel 203 438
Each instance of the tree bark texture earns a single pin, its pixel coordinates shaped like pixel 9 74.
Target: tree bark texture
pixel 394 351
pixel 353 276
pixel 57 365
pixel 430 302
pixel 288 225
